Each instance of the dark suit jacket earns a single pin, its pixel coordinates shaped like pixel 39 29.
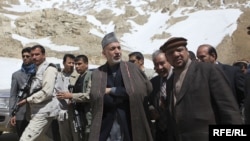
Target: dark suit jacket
pixel 154 96
pixel 205 98
pixel 247 99
pixel 237 81
pixel 159 130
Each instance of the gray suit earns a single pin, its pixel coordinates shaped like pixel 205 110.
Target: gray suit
pixel 17 82
pixel 22 116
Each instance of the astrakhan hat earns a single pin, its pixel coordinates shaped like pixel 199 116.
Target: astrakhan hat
pixel 109 38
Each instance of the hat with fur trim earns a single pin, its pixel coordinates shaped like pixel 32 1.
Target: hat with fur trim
pixel 109 38
pixel 174 42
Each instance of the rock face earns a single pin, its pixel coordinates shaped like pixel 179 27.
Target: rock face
pixel 236 47
pixel 61 27
pixel 64 28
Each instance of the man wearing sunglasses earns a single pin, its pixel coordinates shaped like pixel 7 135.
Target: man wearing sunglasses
pixel 19 79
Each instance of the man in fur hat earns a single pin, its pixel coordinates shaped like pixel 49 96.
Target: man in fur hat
pixel 118 94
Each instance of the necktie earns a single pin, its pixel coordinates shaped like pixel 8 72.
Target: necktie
pixel 163 94
pixel 162 123
pixel 163 88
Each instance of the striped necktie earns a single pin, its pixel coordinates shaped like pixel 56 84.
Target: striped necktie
pixel 163 91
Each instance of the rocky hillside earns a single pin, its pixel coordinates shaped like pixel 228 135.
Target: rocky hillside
pixel 67 28
pixel 238 46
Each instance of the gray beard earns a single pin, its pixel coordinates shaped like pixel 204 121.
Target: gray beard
pixel 116 61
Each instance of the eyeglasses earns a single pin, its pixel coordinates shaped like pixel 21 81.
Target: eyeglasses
pixel 26 56
pixel 132 61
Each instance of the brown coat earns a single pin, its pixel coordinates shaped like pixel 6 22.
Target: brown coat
pixel 137 86
pixel 205 99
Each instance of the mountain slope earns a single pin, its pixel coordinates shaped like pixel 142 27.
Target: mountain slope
pixel 140 25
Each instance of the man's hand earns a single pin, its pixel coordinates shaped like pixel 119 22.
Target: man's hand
pixel 64 95
pixel 22 102
pixel 107 90
pixel 13 121
pixel 154 114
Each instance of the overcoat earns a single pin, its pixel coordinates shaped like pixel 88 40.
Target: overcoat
pixel 137 86
pixel 205 98
pixel 237 80
pixel 247 100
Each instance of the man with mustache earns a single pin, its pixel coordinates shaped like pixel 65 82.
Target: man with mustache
pixel 118 93
pixel 42 101
pixel 198 95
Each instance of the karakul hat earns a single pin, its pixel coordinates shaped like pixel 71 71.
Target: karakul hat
pixel 174 42
pixel 109 38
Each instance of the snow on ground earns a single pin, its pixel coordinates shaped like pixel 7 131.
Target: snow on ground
pixel 206 26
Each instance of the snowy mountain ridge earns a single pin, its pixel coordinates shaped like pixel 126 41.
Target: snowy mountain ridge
pixel 141 25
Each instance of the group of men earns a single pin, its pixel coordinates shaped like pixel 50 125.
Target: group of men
pixel 48 103
pixel 120 101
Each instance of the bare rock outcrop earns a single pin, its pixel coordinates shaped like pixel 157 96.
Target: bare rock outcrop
pixel 65 28
pixel 236 47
